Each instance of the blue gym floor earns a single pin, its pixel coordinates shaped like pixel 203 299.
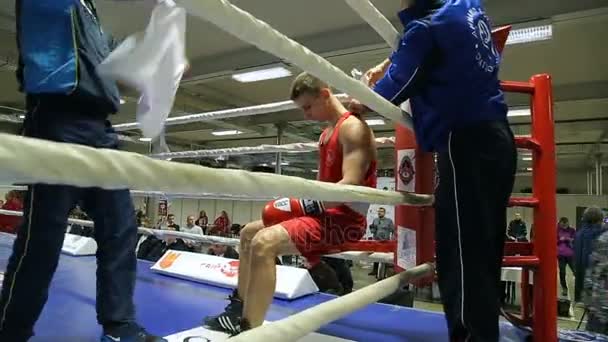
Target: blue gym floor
pixel 167 305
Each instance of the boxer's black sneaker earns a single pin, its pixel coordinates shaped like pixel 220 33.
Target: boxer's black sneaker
pixel 243 326
pixel 229 320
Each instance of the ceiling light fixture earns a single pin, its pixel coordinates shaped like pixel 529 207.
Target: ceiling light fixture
pixel 145 139
pixel 526 158
pixel 226 132
pixel 261 75
pixel 375 122
pixel 519 112
pixel 530 34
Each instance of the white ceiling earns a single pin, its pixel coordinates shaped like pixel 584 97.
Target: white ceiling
pixel 575 58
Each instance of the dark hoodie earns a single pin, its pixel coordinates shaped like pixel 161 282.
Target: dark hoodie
pixel 447 66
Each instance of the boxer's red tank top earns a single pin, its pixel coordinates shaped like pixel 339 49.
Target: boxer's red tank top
pixel 330 157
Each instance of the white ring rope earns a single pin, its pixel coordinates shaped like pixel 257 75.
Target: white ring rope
pixel 28 160
pixel 377 21
pixel 303 323
pixel 266 108
pixel 252 30
pixel 140 193
pixel 260 149
pixel 211 239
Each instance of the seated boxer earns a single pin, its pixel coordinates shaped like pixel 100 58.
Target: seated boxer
pixel 291 226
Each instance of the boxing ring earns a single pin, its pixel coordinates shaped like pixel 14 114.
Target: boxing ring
pixel 169 306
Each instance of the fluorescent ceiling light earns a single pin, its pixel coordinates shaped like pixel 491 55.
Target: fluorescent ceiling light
pixel 526 158
pixel 519 112
pixel 21 116
pixel 122 101
pixel 145 139
pixel 530 34
pixel 528 169
pixel 260 75
pixel 226 132
pixel 375 122
pixel 314 171
pixel 282 163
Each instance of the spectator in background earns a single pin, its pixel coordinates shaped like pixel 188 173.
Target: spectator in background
pixel 382 229
pixel 596 286
pixel 191 228
pixel 221 224
pixel 171 222
pixel 14 202
pixel 223 251
pixel 565 251
pixel 591 228
pixel 140 216
pixel 78 229
pixel 517 229
pixel 202 221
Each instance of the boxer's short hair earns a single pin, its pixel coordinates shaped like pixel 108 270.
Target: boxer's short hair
pixel 306 83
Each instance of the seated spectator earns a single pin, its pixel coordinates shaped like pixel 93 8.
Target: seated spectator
pixel 14 202
pixel 167 223
pixel 596 286
pixel 191 228
pixel 223 251
pixel 151 249
pixel 77 229
pixel 220 225
pixel 517 229
pixel 202 221
pixel 591 228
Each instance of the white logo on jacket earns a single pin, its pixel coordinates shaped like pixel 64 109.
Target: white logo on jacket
pixel 486 55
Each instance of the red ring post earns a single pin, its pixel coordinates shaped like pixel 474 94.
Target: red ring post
pixel 419 219
pixel 544 186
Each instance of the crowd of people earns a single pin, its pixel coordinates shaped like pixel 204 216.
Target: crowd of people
pixel 584 250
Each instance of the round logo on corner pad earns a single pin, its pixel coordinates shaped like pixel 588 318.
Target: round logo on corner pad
pixel 406 170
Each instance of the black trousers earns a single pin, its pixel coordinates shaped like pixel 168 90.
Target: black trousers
pixel 343 272
pixel 563 261
pixel 40 238
pixel 476 176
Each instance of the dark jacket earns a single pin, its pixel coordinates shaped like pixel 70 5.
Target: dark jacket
pixel 583 246
pixel 61 43
pixel 447 65
pixel 230 253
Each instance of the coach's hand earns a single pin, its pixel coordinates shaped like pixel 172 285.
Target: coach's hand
pixel 285 209
pixel 357 107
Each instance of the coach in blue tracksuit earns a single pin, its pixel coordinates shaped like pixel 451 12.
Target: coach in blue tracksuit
pixel 447 66
pixel 60 45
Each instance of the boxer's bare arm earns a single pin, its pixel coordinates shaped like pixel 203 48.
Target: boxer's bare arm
pixel 358 150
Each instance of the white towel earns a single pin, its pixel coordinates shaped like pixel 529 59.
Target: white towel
pixel 152 62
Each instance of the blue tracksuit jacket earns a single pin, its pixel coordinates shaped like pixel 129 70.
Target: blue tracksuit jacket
pixel 446 64
pixel 61 42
